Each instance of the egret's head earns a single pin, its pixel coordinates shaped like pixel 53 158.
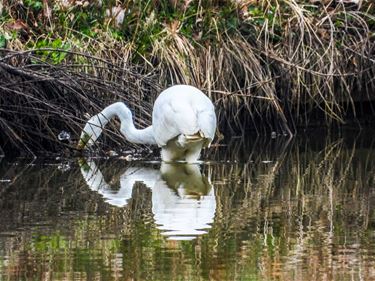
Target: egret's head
pixel 84 165
pixel 90 132
pixel 94 127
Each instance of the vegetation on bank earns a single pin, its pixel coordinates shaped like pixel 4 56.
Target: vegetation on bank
pixel 268 65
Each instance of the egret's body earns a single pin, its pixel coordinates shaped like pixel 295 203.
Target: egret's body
pixel 183 122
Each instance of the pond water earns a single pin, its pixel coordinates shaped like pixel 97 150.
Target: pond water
pixel 262 209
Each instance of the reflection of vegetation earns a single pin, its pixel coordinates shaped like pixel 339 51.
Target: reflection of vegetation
pixel 299 211
pixel 304 213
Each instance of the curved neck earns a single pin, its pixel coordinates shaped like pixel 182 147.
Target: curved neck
pixel 132 134
pixel 141 136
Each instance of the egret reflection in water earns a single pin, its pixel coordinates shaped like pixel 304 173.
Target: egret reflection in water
pixel 183 200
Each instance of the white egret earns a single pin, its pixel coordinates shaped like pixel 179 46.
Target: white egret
pixel 183 199
pixel 183 122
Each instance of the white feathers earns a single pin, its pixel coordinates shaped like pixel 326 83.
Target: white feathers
pixel 183 199
pixel 91 132
pixel 183 121
pixel 182 109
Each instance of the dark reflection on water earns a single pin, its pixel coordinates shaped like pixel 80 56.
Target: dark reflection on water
pixel 279 209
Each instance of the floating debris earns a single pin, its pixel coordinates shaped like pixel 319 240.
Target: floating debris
pixel 64 135
pixel 126 158
pixel 5 180
pixel 112 153
pixel 64 167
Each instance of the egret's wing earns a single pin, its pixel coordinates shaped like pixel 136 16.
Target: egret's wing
pixel 184 110
pixel 172 117
pixel 207 123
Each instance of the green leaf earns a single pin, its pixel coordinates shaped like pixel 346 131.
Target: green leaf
pixel 3 41
pixel 36 5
